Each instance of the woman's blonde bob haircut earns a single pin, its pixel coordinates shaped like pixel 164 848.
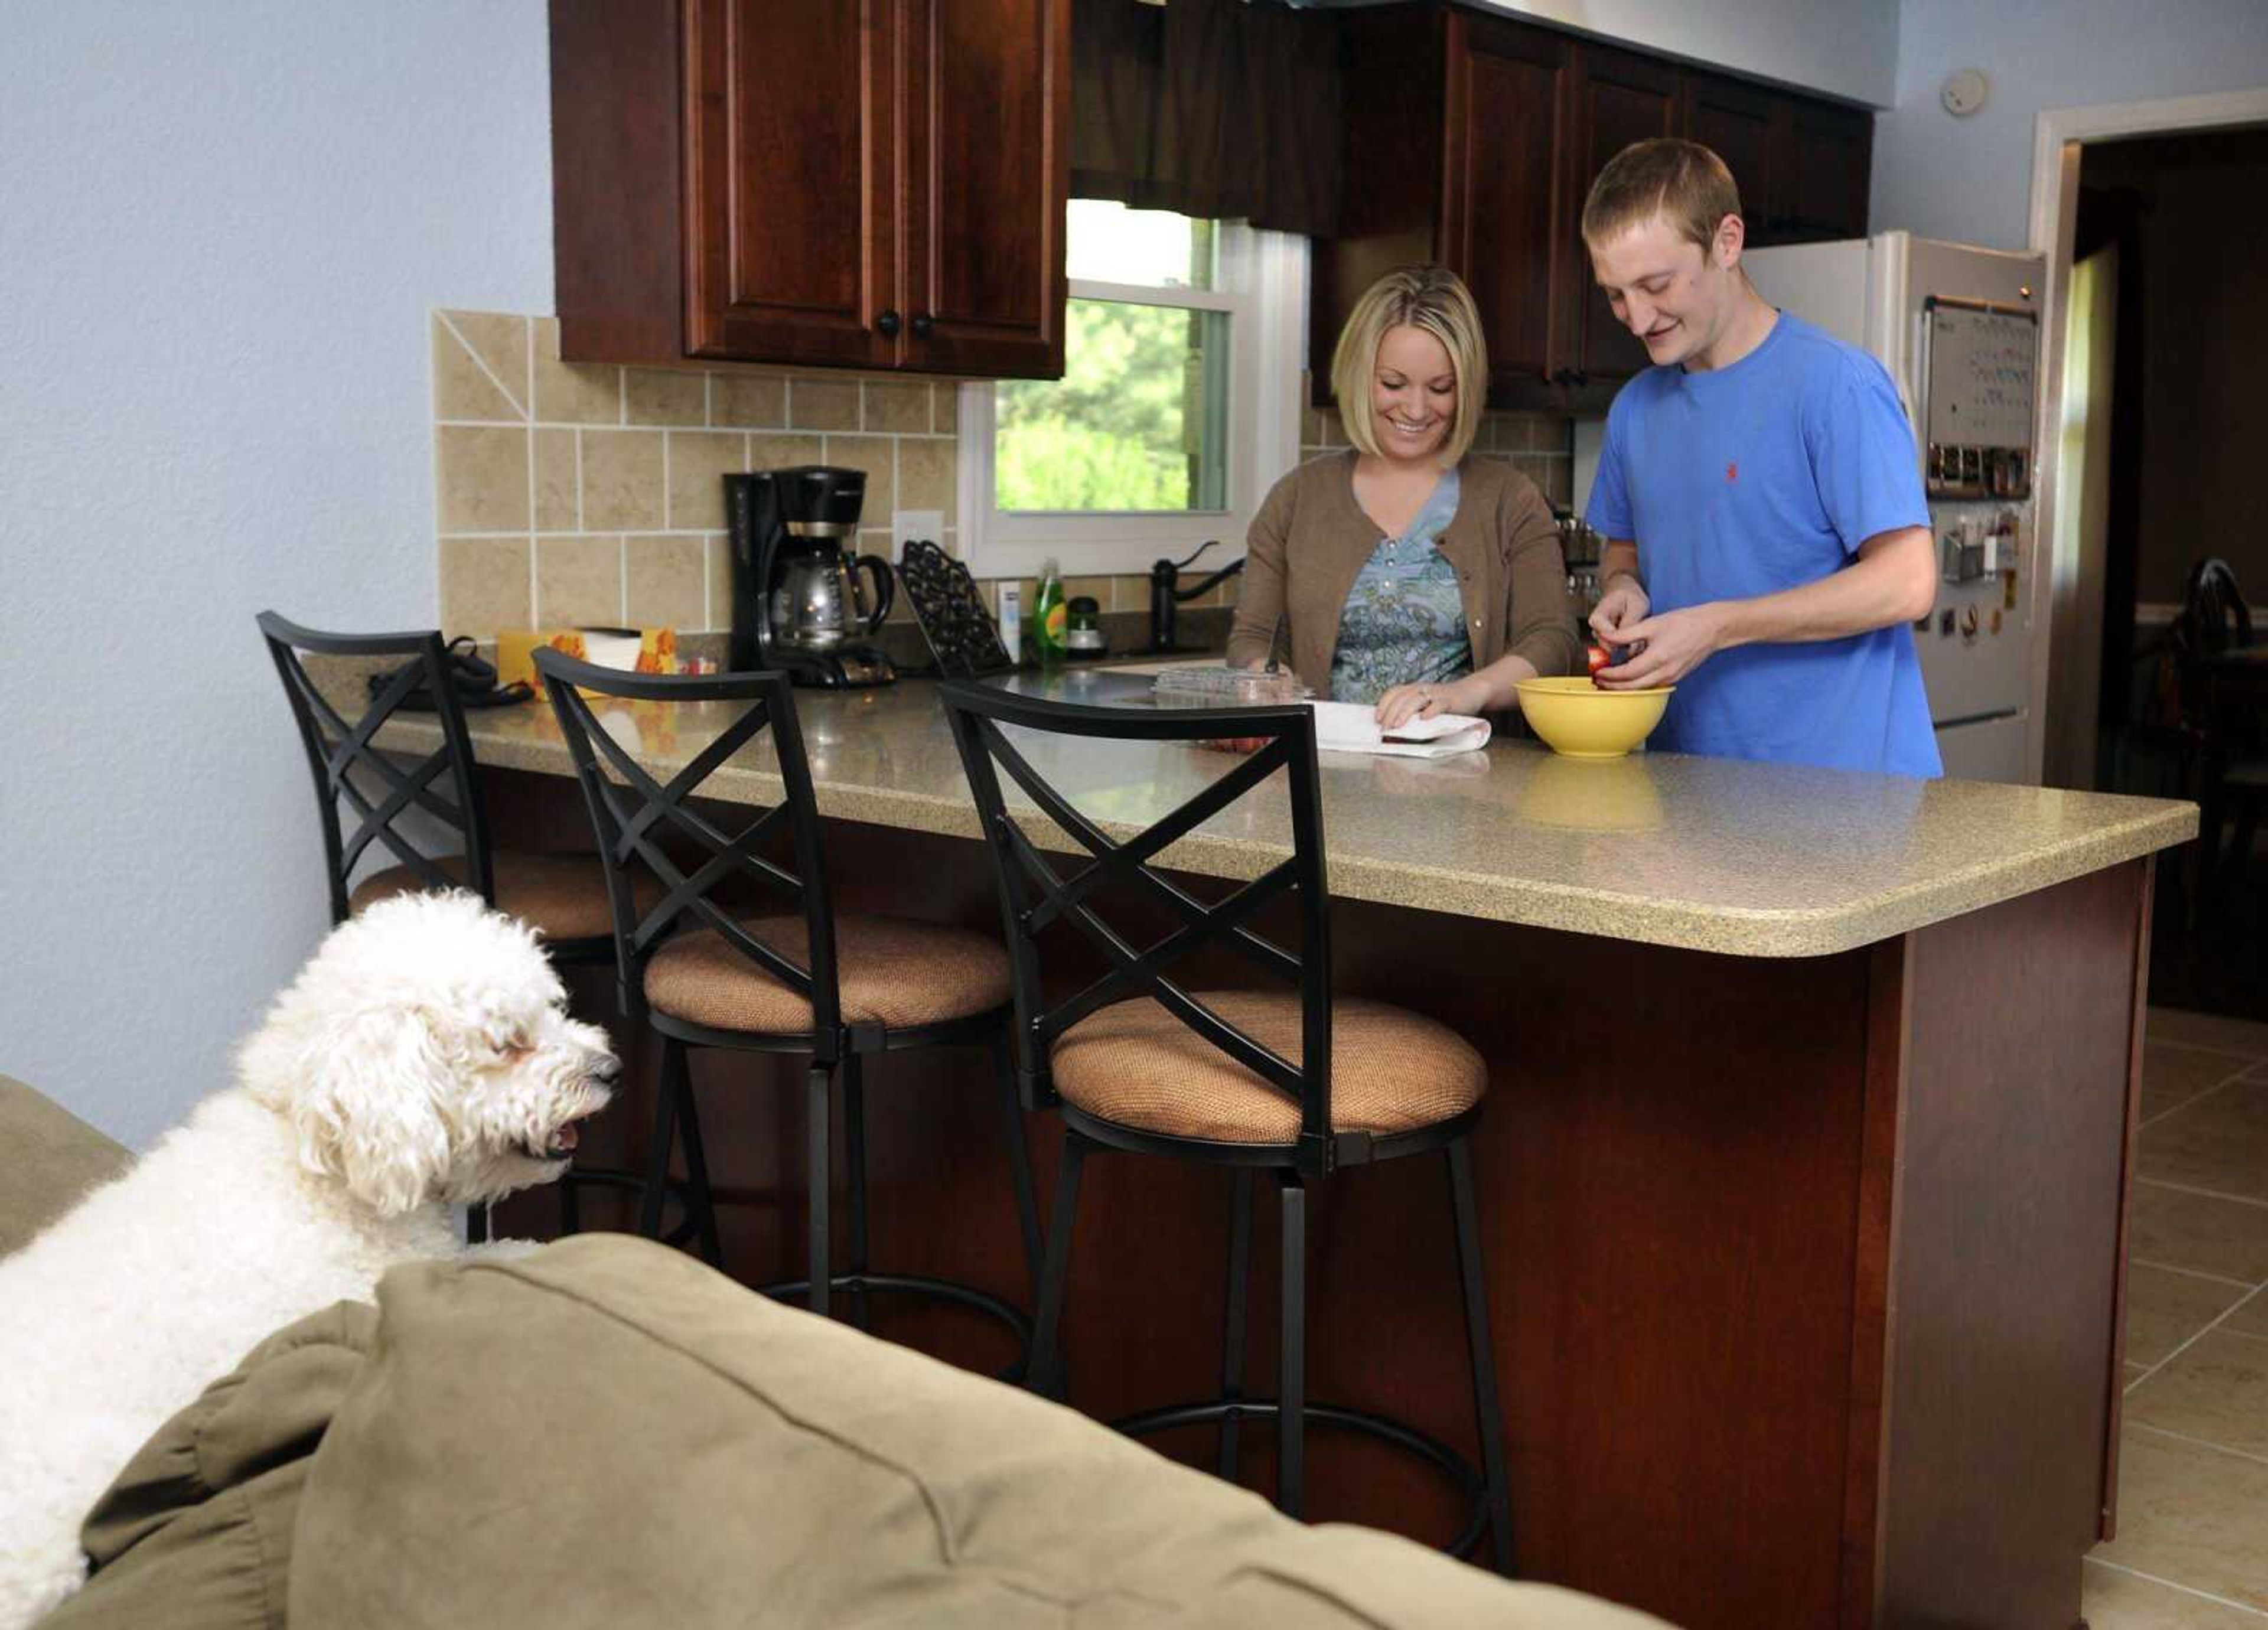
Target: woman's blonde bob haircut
pixel 1427 297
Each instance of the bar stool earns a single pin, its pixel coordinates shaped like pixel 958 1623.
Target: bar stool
pixel 1290 1083
pixel 836 987
pixel 564 897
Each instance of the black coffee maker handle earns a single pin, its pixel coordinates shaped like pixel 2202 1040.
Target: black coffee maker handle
pixel 886 586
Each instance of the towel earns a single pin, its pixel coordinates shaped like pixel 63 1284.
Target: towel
pixel 1352 727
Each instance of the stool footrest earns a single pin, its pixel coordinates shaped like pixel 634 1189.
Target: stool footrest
pixel 608 1178
pixel 918 1284
pixel 688 1224
pixel 1409 1439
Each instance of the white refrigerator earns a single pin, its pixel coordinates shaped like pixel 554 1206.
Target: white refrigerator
pixel 1959 330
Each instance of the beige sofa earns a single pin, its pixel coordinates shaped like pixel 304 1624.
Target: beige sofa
pixel 607 1432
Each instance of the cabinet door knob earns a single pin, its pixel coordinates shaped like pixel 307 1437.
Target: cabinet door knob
pixel 922 325
pixel 886 325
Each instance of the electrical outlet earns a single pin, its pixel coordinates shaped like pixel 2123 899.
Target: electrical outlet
pixel 927 524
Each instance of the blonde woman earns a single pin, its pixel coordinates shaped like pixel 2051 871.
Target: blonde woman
pixel 1404 572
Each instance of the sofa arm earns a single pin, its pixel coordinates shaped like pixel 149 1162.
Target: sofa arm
pixel 49 1158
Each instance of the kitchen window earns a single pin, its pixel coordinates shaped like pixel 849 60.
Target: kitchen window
pixel 1178 408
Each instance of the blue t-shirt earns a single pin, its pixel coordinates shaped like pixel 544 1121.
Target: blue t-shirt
pixel 1764 475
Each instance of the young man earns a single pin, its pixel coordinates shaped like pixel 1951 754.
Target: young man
pixel 1767 538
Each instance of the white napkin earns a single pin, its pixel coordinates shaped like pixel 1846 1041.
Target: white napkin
pixel 608 649
pixel 1352 727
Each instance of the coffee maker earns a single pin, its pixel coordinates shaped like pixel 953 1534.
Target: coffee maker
pixel 801 600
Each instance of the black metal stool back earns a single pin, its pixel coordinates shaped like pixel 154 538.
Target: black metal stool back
pixel 631 812
pixel 1036 895
pixel 441 786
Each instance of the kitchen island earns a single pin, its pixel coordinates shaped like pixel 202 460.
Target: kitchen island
pixel 1805 1169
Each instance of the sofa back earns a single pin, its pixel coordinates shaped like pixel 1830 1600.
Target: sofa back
pixel 650 1443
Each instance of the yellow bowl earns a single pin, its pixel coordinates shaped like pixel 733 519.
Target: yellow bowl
pixel 1578 719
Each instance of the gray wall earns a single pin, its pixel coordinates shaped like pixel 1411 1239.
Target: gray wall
pixel 1845 47
pixel 1970 180
pixel 223 224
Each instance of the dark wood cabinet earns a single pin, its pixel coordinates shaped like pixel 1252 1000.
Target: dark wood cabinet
pixel 1735 119
pixel 1483 156
pixel 1802 165
pixel 988 174
pixel 789 136
pixel 1828 153
pixel 1620 98
pixel 1509 92
pixel 873 184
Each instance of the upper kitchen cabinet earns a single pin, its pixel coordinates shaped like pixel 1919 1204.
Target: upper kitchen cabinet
pixel 1802 165
pixel 1460 166
pixel 1620 97
pixel 1508 92
pixel 1481 158
pixel 1825 155
pixel 868 183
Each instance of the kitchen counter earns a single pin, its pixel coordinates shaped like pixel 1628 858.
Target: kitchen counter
pixel 1703 854
pixel 1804 1174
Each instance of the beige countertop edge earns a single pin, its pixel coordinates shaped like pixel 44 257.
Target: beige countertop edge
pixel 1738 931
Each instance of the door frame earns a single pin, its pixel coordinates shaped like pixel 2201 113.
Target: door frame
pixel 2057 135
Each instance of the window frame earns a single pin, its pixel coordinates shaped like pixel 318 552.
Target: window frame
pixel 1261 283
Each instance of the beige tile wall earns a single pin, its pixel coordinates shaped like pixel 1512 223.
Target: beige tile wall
pixel 571 493
pixel 575 493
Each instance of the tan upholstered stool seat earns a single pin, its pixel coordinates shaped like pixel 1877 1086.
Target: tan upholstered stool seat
pixel 891 971
pixel 562 896
pixel 1137 1065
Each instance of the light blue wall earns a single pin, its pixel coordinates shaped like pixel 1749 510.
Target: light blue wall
pixel 1845 47
pixel 1970 180
pixel 221 227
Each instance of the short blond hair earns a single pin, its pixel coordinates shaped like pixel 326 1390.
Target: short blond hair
pixel 1432 299
pixel 1683 182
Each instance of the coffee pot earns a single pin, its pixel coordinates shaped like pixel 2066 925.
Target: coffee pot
pixel 820 600
pixel 804 601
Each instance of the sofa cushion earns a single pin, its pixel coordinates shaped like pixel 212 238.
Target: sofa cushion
pixel 197 1533
pixel 608 1433
pixel 53 1158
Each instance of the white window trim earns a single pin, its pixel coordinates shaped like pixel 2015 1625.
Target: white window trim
pixel 1266 279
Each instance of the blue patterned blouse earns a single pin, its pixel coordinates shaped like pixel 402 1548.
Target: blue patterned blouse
pixel 1403 622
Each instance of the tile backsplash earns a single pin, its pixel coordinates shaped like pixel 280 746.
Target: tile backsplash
pixel 588 493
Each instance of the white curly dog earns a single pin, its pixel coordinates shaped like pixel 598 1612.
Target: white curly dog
pixel 423 1057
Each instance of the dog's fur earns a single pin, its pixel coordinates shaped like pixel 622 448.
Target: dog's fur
pixel 422 1057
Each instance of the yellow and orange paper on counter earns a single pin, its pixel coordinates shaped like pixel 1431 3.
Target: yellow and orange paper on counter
pixel 633 650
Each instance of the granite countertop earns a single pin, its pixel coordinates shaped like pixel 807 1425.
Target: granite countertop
pixel 1706 854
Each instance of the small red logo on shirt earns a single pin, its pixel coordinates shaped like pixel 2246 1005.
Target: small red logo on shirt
pixel 1731 472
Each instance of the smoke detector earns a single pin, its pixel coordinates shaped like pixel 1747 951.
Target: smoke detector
pixel 1964 92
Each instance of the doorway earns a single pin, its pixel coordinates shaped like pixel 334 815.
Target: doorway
pixel 2158 271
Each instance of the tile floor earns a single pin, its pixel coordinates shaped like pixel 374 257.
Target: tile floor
pixel 2192 1546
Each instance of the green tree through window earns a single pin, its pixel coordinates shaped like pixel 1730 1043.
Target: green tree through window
pixel 1137 421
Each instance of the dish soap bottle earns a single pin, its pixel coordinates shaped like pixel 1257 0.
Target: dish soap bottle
pixel 1050 616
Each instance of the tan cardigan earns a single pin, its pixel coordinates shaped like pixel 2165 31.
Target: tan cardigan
pixel 1311 540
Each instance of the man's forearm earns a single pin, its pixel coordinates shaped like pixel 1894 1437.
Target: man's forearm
pixel 1893 580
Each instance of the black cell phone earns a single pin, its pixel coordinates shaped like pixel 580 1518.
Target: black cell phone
pixel 471 676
